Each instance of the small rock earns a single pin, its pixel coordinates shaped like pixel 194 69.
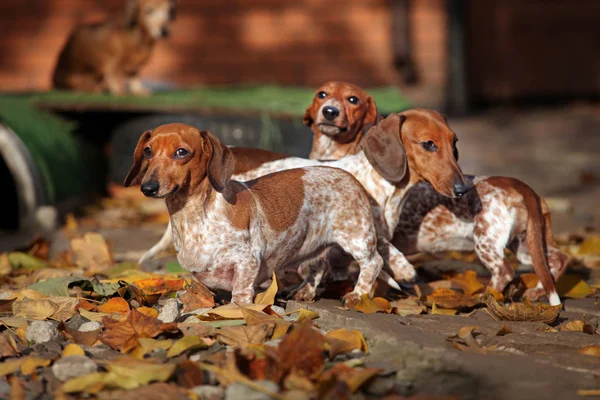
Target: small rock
pixel 206 392
pixel 89 326
pixel 73 366
pixel 278 310
pixel 381 385
pixel 169 312
pixel 41 332
pixel 241 391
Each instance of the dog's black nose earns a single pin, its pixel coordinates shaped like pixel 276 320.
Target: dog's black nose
pixel 330 112
pixel 460 189
pixel 150 189
pixel 164 32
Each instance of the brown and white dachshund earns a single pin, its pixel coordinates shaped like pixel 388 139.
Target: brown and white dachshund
pixel 108 56
pixel 232 235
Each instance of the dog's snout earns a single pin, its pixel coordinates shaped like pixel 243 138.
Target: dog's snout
pixel 461 188
pixel 330 112
pixel 150 189
pixel 164 32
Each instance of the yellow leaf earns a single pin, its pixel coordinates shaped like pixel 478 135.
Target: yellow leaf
pixel 573 286
pixel 592 392
pixel 406 307
pixel 71 223
pixel 129 373
pixel 66 307
pixel 147 311
pixel 233 311
pixel 115 305
pixel 34 309
pixel 268 296
pixel 497 295
pixel 590 246
pixel 530 280
pixel 5 267
pixel 370 306
pixel 185 343
pixel 468 282
pixel 442 311
pixel 98 316
pixel 578 326
pixel 14 322
pixel 84 383
pixel 341 341
pixel 30 364
pixel 27 293
pixel 590 351
pixel 306 314
pixel 10 366
pixel 73 349
pixel 148 345
pixel 91 253
pixel 243 335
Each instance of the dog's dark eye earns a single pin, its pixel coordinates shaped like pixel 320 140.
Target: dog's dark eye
pixel 321 95
pixel 353 100
pixel 181 153
pixel 147 152
pixel 429 146
pixel 455 150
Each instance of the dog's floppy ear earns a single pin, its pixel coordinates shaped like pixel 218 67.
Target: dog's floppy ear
pixel 372 116
pixel 384 150
pixel 221 162
pixel 308 119
pixel 140 164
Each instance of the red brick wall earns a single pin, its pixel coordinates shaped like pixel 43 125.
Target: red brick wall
pixel 300 42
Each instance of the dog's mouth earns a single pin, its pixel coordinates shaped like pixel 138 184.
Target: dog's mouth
pixel 330 129
pixel 169 193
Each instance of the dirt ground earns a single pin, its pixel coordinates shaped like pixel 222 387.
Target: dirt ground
pixel 557 152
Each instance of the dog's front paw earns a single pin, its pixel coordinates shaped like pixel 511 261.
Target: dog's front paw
pixel 305 294
pixel 351 299
pixel 534 294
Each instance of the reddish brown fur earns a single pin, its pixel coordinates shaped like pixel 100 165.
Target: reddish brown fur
pixel 248 158
pixel 108 56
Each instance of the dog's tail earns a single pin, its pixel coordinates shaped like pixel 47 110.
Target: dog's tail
pixel 536 236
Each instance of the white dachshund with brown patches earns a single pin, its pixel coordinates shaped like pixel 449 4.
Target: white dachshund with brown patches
pixel 232 235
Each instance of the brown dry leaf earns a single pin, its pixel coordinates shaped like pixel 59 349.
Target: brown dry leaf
pixel 116 305
pixel 448 298
pixel 244 335
pixel 297 382
pixel 99 317
pixel 590 351
pixel 197 329
pixel 578 326
pixel 465 340
pixel 84 338
pixel 67 307
pixel 5 267
pixel 468 282
pixel 530 280
pixel 497 295
pixel 154 391
pixel 160 285
pixel 573 286
pixel 188 375
pixel 505 330
pixel 341 341
pixel 196 296
pixel 546 328
pixel 280 325
pixel 410 306
pixel 91 253
pixel 233 311
pixel 442 311
pixel 354 378
pixel 592 392
pixel 27 294
pixel 123 335
pixel 233 375
pixel 370 306
pixel 34 309
pixel 268 296
pixel 8 345
pixel 301 351
pixel 522 311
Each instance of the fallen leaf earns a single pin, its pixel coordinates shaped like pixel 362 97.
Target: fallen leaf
pixel 546 328
pixel 23 260
pixel 306 314
pixel 590 246
pixel 339 341
pixel 468 282
pixel 147 311
pixel 268 296
pixel 85 338
pixel 301 350
pixel 27 293
pixel 590 351
pixel 404 307
pixel 245 334
pixel 72 350
pixel 14 322
pixel 578 326
pixel 8 345
pixel 96 316
pixel 232 376
pixel 198 329
pixel 505 330
pixel 160 285
pixel 91 253
pixel 196 296
pixel 573 286
pixel 530 280
pixel 370 306
pixel 31 363
pixel 448 298
pixel 184 344
pixel 5 266
pixel 123 335
pixel 85 382
pixel 8 367
pixel 233 311
pixel 154 391
pixel 465 340
pixel 129 373
pixel 34 309
pixel 522 311
pixel 280 326
pixel 55 286
pixel 592 392
pixel 121 268
pixel 66 307
pixel 188 375
pixel 442 311
pixel 147 345
pixel 16 388
pixel 116 305
pixel 497 295
pixel 354 378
